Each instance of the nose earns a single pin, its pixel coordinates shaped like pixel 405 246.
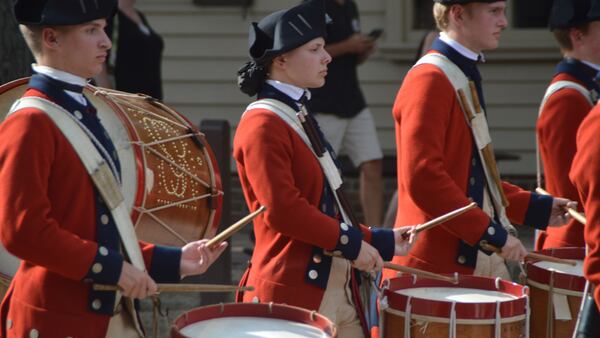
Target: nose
pixel 327 58
pixel 105 43
pixel 503 21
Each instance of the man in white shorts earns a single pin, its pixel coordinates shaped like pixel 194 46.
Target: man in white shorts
pixel 342 111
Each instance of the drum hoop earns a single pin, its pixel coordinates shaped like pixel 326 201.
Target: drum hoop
pixel 445 320
pixel 474 311
pixel 562 280
pixel 560 291
pixel 262 310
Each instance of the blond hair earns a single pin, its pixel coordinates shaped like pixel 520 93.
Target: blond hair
pixel 33 38
pixel 440 14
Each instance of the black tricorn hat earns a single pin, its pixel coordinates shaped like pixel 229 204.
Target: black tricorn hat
pixel 282 31
pixel 573 13
pixel 62 12
pixel 463 2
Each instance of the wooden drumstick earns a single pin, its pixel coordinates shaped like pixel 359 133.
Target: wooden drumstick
pixel 183 288
pixel 533 255
pixel 574 213
pixel 439 220
pixel 234 228
pixel 418 272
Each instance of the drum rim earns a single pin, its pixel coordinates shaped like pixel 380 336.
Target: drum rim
pixel 562 280
pixel 263 310
pixel 467 311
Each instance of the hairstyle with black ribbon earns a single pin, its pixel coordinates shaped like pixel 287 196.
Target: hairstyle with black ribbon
pixel 251 77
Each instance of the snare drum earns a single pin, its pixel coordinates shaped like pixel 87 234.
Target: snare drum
pixel 556 291
pixel 476 307
pixel 170 180
pixel 249 320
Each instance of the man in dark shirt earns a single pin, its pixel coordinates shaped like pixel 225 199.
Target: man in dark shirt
pixel 340 105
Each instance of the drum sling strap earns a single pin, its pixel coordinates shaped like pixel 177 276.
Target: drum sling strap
pixel 476 119
pixel 552 89
pixel 294 120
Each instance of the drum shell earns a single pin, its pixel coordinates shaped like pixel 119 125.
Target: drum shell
pixel 539 280
pixel 432 318
pixel 273 311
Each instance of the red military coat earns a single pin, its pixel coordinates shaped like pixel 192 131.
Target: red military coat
pixel 585 175
pixel 278 170
pixel 556 130
pixel 435 167
pixel 48 219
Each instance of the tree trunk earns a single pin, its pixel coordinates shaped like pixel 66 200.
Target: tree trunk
pixel 15 58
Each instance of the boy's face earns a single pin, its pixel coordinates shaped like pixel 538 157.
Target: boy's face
pixel 82 49
pixel 590 42
pixel 483 24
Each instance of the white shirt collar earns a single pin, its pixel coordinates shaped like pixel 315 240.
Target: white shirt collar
pixel 290 90
pixel 64 77
pixel 466 52
pixel 59 75
pixel 593 65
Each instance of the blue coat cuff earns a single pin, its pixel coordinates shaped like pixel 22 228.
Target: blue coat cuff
pixel 349 242
pixel 494 234
pixel 106 267
pixel 383 240
pixel 166 262
pixel 539 210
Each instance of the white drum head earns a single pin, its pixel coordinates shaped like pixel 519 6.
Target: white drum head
pixel 458 295
pixel 567 269
pixel 251 327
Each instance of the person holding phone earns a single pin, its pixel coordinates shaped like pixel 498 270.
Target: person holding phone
pixel 340 107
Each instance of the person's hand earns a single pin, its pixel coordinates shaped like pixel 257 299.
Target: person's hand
pixel 513 250
pixel 196 257
pixel 403 245
pixel 359 44
pixel 368 259
pixel 136 283
pixel 559 215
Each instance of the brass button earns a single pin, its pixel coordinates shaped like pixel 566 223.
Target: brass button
pixel 97 268
pixel 317 258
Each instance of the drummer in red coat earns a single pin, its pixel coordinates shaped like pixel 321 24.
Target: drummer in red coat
pixel 440 164
pixel 52 216
pixel 571 95
pixel 278 168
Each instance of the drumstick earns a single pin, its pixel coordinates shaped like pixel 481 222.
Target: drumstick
pixel 574 213
pixel 533 255
pixel 234 228
pixel 439 220
pixel 418 272
pixel 183 288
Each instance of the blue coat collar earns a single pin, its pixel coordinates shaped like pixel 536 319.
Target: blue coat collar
pixel 580 71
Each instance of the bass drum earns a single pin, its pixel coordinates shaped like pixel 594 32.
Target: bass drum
pixel 170 179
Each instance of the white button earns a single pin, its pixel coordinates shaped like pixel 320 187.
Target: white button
pixel 104 219
pixel 472 180
pixel 462 259
pixel 78 114
pixel 97 268
pixel 103 251
pixel 96 304
pixel 491 231
pixel 9 324
pixel 317 258
pixel 34 333
pixel 344 226
pixel 255 299
pixel 344 240
pixel 313 274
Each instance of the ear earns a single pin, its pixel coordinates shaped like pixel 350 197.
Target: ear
pixel 457 13
pixel 280 61
pixel 576 35
pixel 50 37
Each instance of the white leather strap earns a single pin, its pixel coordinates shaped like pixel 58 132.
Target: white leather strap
pixel 288 115
pixel 97 168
